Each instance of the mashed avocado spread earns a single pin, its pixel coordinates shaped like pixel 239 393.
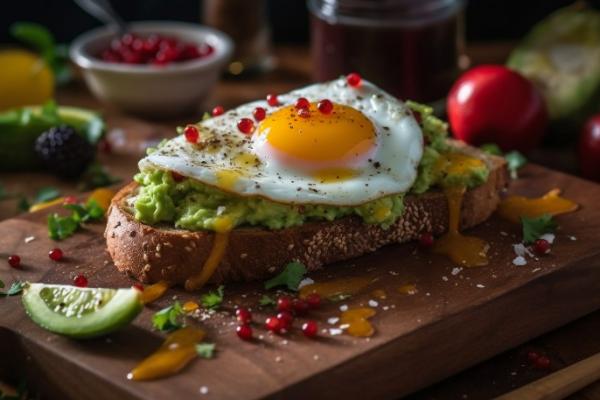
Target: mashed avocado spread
pixel 190 204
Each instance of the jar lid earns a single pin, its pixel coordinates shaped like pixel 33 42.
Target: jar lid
pixel 383 12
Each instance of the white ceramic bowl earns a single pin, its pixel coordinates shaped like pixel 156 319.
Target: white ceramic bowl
pixel 176 88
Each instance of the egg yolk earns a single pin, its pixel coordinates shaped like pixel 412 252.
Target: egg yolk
pixel 341 136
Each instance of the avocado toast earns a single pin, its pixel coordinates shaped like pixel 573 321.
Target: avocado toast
pixel 176 223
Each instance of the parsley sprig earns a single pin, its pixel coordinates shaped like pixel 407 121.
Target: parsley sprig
pixel 60 228
pixel 205 350
pixel 169 318
pixel 514 159
pixel 266 301
pixel 213 299
pixel 290 277
pixel 534 228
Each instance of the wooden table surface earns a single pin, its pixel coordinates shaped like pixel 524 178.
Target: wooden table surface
pixel 129 136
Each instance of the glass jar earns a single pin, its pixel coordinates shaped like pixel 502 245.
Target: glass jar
pixel 410 48
pixel 246 22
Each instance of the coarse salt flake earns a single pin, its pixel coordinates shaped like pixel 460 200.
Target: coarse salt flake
pixel 519 261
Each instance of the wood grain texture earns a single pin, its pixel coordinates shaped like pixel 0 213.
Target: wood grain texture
pixel 447 326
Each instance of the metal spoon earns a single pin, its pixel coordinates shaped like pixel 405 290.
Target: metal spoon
pixel 103 11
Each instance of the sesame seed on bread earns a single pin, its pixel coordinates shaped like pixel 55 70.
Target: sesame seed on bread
pixel 154 253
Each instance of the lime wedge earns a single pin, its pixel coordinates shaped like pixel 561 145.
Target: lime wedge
pixel 80 312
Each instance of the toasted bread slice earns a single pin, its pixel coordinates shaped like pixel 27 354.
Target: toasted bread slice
pixel 154 253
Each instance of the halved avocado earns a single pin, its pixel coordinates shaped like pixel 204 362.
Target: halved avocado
pixel 561 55
pixel 19 128
pixel 80 312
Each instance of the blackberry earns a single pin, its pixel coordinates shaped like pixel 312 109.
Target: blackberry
pixel 64 152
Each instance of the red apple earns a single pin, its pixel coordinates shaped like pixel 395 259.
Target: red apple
pixel 589 149
pixel 493 104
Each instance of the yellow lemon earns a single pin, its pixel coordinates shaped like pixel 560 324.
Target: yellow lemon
pixel 25 79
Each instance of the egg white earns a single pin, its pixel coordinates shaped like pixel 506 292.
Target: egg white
pixel 390 169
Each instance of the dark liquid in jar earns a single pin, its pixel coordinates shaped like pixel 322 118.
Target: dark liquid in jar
pixel 411 61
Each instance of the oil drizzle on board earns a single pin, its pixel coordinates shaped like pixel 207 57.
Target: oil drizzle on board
pixel 514 208
pixel 467 251
pixel 409 289
pixel 178 349
pixel 337 287
pixel 222 227
pixel 154 292
pixel 379 294
pixel 357 321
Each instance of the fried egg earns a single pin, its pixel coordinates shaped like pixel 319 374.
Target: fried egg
pixel 369 146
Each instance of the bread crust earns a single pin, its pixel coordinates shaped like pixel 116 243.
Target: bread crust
pixel 154 253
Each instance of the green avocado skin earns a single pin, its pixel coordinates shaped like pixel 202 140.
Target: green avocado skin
pixel 20 128
pixel 561 55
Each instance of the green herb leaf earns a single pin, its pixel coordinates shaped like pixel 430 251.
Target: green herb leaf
pixel 46 194
pixel 50 112
pixel 168 318
pixel 94 211
pixel 96 176
pixel 41 40
pixel 212 299
pixel 23 204
pixel 267 301
pixel 91 211
pixel 1 284
pixel 205 350
pixel 533 228
pixel 491 148
pixel 515 161
pixel 35 35
pixel 14 289
pixel 60 228
pixel 289 277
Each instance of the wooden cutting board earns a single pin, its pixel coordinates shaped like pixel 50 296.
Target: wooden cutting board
pixel 452 322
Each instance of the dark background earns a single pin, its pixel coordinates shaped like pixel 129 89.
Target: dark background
pixel 485 19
